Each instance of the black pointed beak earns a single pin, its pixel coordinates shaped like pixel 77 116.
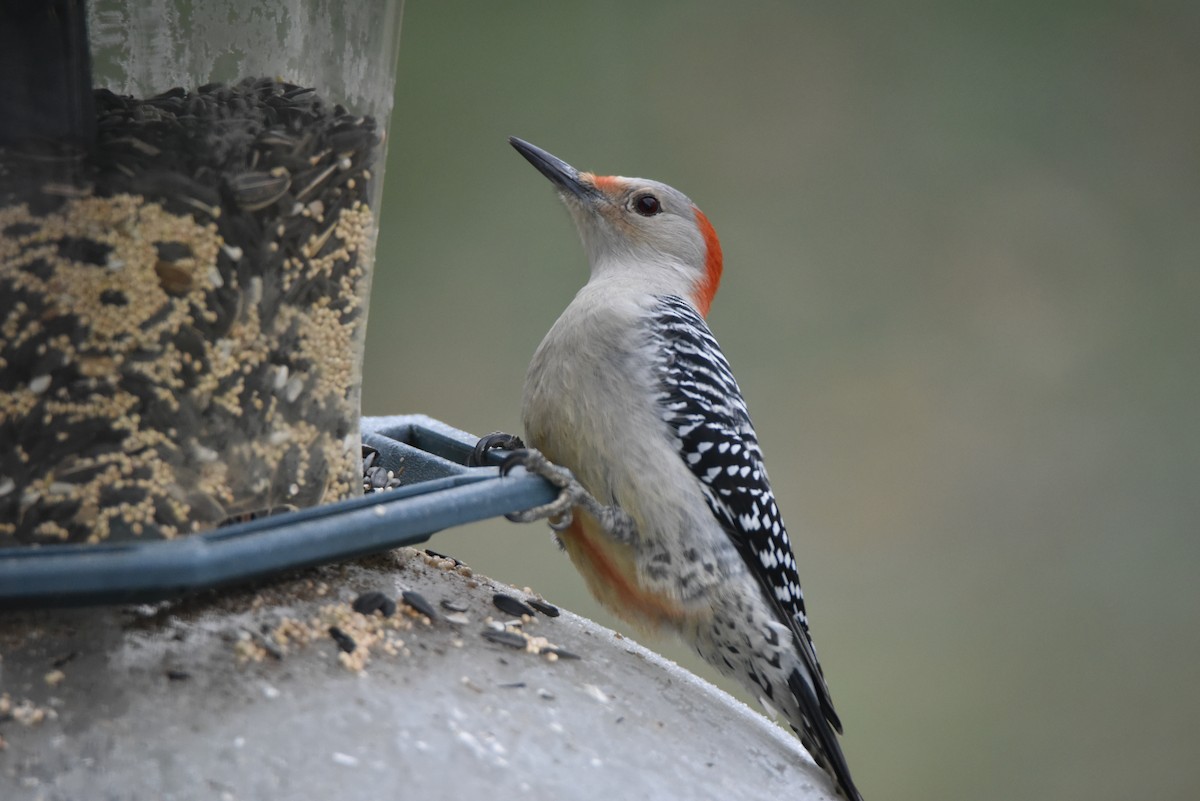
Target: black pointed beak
pixel 561 174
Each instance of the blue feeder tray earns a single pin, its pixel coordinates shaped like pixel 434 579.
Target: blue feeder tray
pixel 437 491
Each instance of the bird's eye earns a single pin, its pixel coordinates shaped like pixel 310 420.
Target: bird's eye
pixel 647 205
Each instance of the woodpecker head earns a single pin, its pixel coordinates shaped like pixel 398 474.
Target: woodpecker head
pixel 635 226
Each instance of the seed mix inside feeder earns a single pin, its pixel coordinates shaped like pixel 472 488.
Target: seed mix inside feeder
pixel 182 313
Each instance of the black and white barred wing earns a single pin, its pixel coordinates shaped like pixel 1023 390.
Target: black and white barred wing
pixel 703 404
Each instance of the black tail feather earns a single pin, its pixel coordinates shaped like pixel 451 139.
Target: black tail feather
pixel 819 737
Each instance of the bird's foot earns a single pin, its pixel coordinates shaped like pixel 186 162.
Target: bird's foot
pixel 559 511
pixel 496 441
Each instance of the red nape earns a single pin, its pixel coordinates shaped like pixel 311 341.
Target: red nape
pixel 707 287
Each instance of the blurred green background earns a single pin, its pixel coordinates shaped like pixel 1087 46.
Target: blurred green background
pixel 962 245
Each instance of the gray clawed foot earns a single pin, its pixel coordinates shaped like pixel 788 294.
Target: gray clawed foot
pixel 496 441
pixel 558 513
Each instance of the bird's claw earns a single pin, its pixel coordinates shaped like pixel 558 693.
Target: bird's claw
pixel 535 462
pixel 558 513
pixel 496 441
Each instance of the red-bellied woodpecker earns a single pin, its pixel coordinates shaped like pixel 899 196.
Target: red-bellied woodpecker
pixel 665 506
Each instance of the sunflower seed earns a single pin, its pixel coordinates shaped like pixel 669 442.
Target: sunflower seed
pixel 418 602
pixel 510 605
pixel 512 639
pixel 257 190
pixel 344 641
pixel 561 653
pixel 549 610
pixel 370 602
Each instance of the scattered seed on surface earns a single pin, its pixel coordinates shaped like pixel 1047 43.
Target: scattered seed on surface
pixel 512 639
pixel 561 653
pixel 377 477
pixel 344 641
pixel 437 555
pixel 418 602
pixel 269 646
pixel 453 606
pixel 596 692
pixel 371 602
pixel 64 659
pixel 549 610
pixel 511 605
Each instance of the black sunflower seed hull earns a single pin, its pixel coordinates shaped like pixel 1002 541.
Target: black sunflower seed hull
pixel 511 605
pixel 419 603
pixel 511 639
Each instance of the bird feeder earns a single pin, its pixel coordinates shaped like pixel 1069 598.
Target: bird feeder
pixel 189 196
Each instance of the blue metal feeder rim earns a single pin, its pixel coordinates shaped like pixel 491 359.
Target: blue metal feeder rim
pixel 437 491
